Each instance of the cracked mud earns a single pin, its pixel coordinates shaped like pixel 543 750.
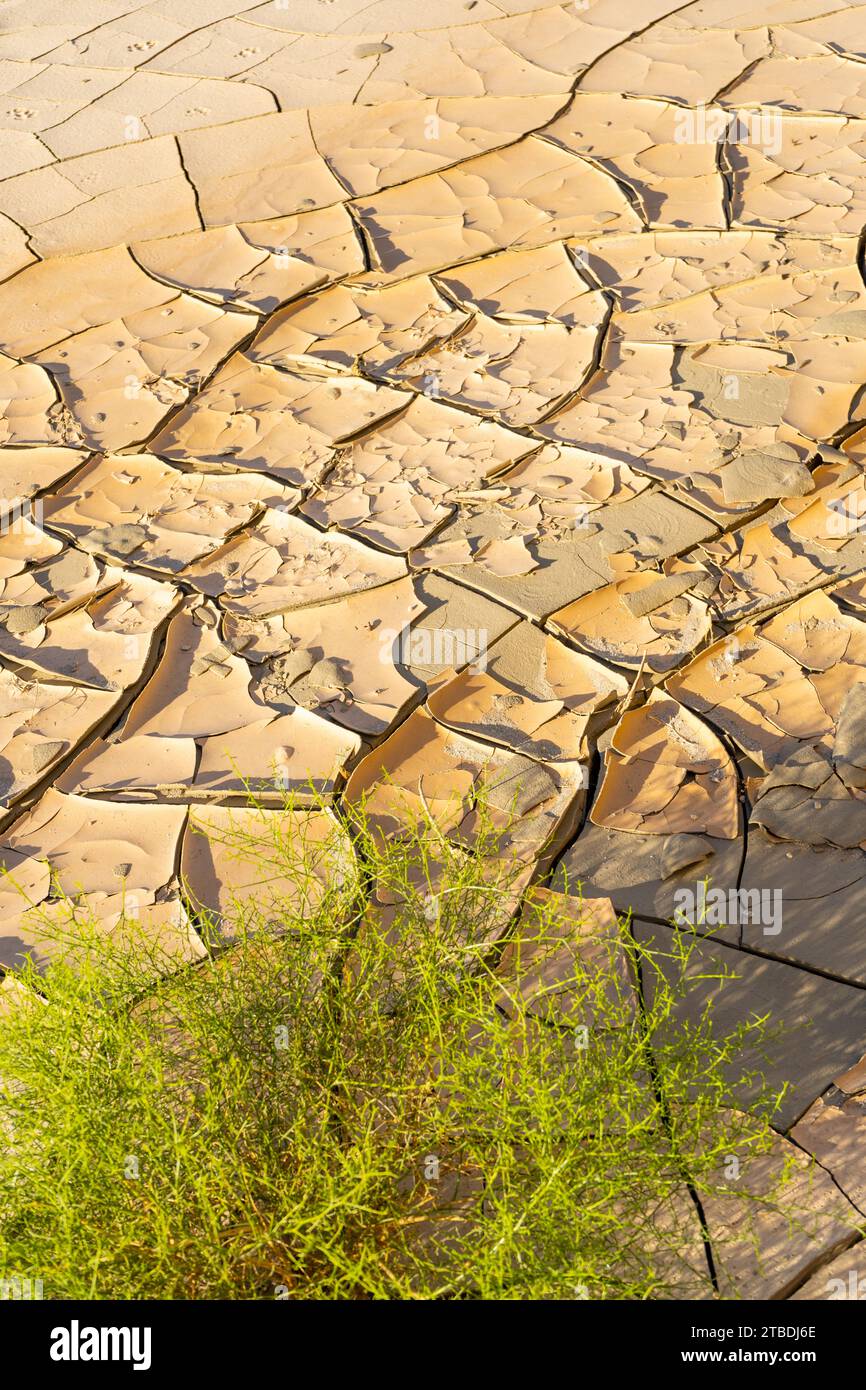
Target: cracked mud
pixel 394 410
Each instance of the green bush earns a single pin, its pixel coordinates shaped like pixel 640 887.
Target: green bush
pixel 388 1086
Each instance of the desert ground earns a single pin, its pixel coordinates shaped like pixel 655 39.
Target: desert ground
pixel 400 398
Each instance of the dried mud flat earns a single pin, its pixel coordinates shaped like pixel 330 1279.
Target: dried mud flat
pixel 447 405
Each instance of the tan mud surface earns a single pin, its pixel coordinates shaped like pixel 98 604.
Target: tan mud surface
pixel 396 406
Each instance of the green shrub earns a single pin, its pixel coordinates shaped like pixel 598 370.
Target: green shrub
pixel 372 1096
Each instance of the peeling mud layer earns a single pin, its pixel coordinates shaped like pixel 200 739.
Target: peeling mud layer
pixel 391 408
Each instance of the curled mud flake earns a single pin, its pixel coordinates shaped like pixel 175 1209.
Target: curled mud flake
pixel 394 486
pixel 425 769
pixel 527 195
pixel 807 177
pixel 284 563
pixel 120 380
pixel 534 695
pixel 18 621
pixel 648 617
pixel 665 773
pixel 253 416
pixel 346 659
pixel 84 840
pixel 136 505
pixel 39 723
pixel 105 643
pixel 542 285
pixel 198 688
pixel 345 325
pixel 644 145
pixel 804 77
